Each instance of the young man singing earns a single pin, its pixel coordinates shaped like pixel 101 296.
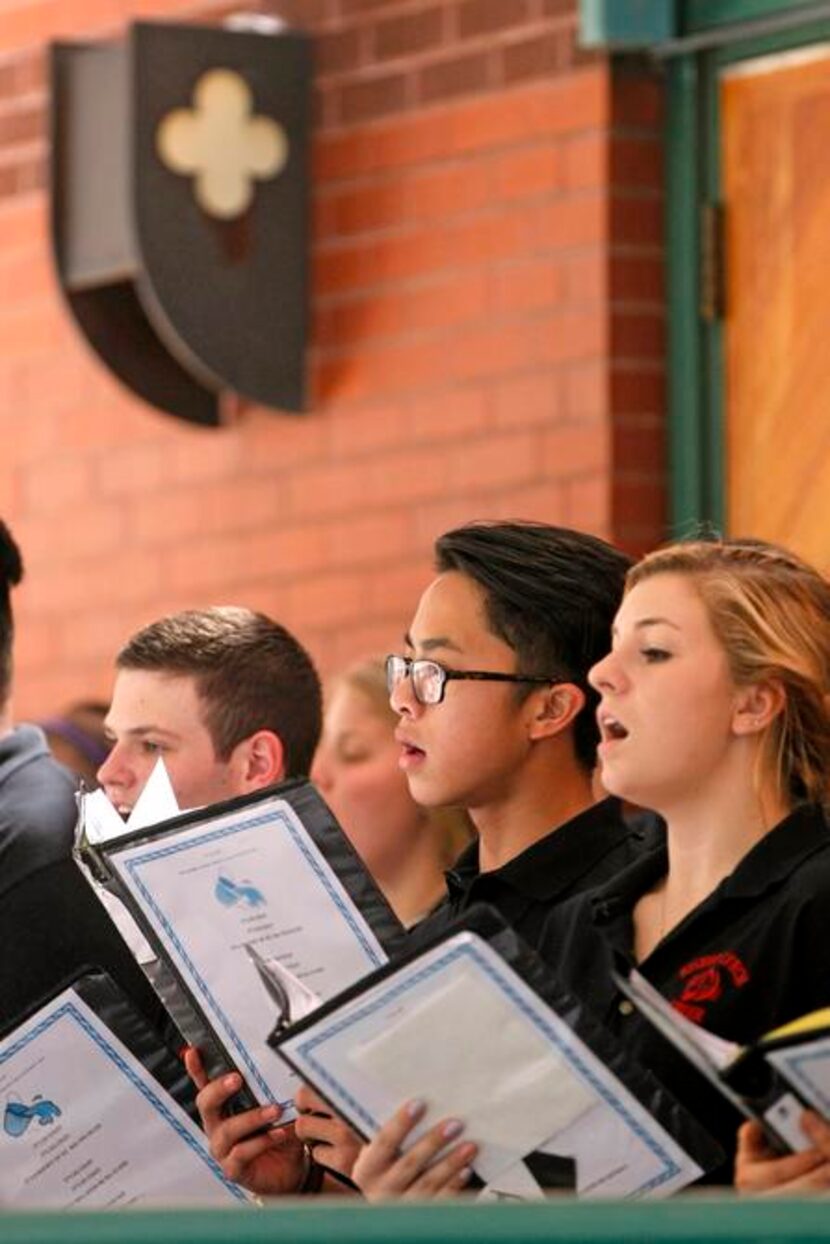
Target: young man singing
pixel 496 717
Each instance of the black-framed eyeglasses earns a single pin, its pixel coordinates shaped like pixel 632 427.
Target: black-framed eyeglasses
pixel 429 679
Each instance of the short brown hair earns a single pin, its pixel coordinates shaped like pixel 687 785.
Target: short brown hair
pixel 771 613
pixel 251 674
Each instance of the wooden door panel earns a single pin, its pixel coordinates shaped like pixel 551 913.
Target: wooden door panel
pixel 776 180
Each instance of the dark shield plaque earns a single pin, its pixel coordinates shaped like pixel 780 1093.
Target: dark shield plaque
pixel 180 211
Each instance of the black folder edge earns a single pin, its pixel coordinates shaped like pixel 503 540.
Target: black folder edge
pixel 485 921
pixel 750 1083
pixel 332 843
pixel 121 1016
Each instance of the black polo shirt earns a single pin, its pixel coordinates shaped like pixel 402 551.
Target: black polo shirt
pixel 583 853
pixel 753 955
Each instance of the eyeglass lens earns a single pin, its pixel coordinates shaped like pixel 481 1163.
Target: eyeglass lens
pixel 427 678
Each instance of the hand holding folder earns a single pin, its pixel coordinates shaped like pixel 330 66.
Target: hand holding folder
pixel 250 904
pixel 474 1024
pixel 770 1081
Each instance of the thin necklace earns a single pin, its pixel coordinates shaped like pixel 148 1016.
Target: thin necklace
pixel 664 916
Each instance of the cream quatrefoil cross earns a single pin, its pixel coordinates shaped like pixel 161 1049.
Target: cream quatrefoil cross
pixel 221 144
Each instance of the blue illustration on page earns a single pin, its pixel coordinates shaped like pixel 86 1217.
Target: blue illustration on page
pixel 69 1011
pixel 271 816
pixel 17 1116
pixel 231 893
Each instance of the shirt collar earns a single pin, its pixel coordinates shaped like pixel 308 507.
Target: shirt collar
pixel 770 862
pixel 622 891
pixel 554 863
pixel 779 853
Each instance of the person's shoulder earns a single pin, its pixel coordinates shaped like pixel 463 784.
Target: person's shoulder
pixel 24 752
pixel 41 796
pixel 38 812
pixel 805 889
pixel 812 877
pixel 570 918
pixel 809 830
pixel 430 927
pixel 52 926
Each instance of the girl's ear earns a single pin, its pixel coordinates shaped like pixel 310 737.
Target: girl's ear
pixel 553 709
pixel 756 706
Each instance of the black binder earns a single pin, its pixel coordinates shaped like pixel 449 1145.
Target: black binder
pixel 550 1171
pixel 745 1076
pixel 334 847
pixel 123 1018
pixel 47 1113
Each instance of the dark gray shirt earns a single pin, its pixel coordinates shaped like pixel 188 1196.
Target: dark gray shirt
pixel 51 923
pixel 37 806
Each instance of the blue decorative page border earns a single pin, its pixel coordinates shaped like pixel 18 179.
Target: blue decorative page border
pixel 277 818
pixel 795 1062
pixel 69 1010
pixel 503 979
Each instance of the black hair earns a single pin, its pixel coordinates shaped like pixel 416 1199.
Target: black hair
pixel 11 572
pixel 551 594
pixel 251 674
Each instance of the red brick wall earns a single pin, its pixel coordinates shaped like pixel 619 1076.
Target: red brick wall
pixel 637 311
pixel 487 309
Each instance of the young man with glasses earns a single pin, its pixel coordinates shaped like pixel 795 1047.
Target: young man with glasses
pixel 496 717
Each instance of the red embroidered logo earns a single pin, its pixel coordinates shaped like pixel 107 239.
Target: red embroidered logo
pixel 704 982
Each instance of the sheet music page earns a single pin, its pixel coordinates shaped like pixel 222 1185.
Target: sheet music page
pixel 460 1029
pixel 86 1127
pixel 250 877
pixel 806 1066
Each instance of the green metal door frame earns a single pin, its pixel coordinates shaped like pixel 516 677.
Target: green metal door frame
pixel 697 40
pixel 696 343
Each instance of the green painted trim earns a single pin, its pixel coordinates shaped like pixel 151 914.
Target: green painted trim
pixel 714 405
pixel 696 406
pixel 625 25
pixel 766 45
pixel 677 1221
pixel 686 450
pixel 699 15
pixel 697 448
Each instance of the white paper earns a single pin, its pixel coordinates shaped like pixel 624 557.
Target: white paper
pixel 717 1052
pixel 806 1066
pixel 514 1183
pixel 157 801
pixel 784 1116
pixel 137 943
pixel 85 1126
pixel 500 1060
pixel 517 1085
pixel 298 1000
pixel 101 822
pixel 99 819
pixel 250 877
